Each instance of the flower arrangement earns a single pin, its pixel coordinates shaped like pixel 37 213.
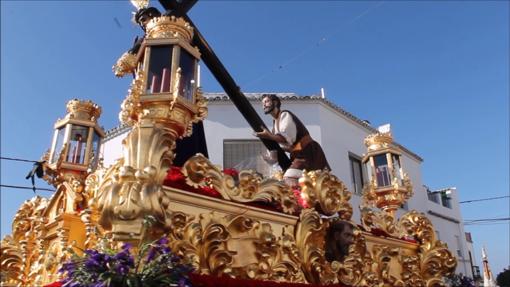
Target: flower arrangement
pixel 175 178
pixel 155 265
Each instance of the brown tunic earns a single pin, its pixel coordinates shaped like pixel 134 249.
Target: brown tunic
pixel 306 153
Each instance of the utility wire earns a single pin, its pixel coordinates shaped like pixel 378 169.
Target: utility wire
pixel 315 45
pixel 485 221
pixel 26 187
pixel 485 199
pixel 17 159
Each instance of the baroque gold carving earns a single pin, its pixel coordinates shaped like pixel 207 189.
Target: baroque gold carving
pixel 371 219
pixel 125 64
pixel 435 259
pixel 252 187
pixel 356 270
pixel 235 246
pixel 11 262
pixel 388 198
pixel 324 190
pixel 201 114
pixel 378 141
pixel 169 27
pixel 83 110
pixel 310 243
pixel 130 107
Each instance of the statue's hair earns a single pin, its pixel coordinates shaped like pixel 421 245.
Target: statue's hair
pixel 330 247
pixel 273 97
pixel 154 12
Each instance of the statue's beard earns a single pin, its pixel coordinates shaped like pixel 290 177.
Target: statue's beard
pixel 269 109
pixel 344 249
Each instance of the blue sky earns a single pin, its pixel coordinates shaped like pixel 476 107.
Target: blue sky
pixel 438 71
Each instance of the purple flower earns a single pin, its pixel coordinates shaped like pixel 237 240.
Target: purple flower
pixel 162 241
pixel 152 253
pixel 68 267
pixel 122 269
pixel 126 246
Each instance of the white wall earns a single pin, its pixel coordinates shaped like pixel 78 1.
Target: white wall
pixel 448 229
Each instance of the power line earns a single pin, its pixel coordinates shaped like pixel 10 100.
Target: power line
pixel 486 221
pixel 26 187
pixel 322 39
pixel 17 159
pixel 485 199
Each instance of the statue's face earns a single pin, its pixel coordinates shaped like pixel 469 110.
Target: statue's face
pixel 268 105
pixel 344 239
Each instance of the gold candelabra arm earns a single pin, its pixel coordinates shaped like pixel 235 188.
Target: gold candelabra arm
pixel 125 64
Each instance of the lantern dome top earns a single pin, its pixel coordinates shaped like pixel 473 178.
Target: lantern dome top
pixel 169 27
pixel 83 110
pixel 378 141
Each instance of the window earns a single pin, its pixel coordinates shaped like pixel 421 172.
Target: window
pixel 244 155
pixel 446 200
pixel 357 173
pixel 433 196
pixel 459 246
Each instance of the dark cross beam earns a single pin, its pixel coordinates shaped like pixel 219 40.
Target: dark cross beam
pixel 179 8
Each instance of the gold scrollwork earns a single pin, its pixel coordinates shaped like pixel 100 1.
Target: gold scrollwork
pixel 235 246
pixel 323 189
pixel 169 27
pixel 382 220
pixel 130 107
pixel 383 255
pixel 11 262
pixel 125 64
pixel 199 171
pixel 356 270
pixel 435 259
pixel 310 235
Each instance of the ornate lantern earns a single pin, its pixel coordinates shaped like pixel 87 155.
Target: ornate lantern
pixel 77 138
pixel 387 186
pixel 165 88
pixel 161 106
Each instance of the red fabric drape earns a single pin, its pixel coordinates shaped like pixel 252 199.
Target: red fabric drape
pixel 213 281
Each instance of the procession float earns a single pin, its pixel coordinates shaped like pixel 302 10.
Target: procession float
pixel 146 221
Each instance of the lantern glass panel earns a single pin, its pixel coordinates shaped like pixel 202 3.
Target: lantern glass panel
pixel 94 153
pixel 187 83
pixel 160 69
pixel 59 144
pixel 397 167
pixel 382 171
pixel 77 145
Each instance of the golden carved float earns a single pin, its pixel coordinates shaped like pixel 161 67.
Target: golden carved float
pixel 232 234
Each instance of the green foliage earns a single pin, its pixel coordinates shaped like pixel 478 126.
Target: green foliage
pixel 459 280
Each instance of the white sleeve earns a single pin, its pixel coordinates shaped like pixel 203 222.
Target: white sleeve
pixel 287 128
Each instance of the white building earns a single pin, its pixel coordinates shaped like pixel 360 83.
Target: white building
pixel 231 143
